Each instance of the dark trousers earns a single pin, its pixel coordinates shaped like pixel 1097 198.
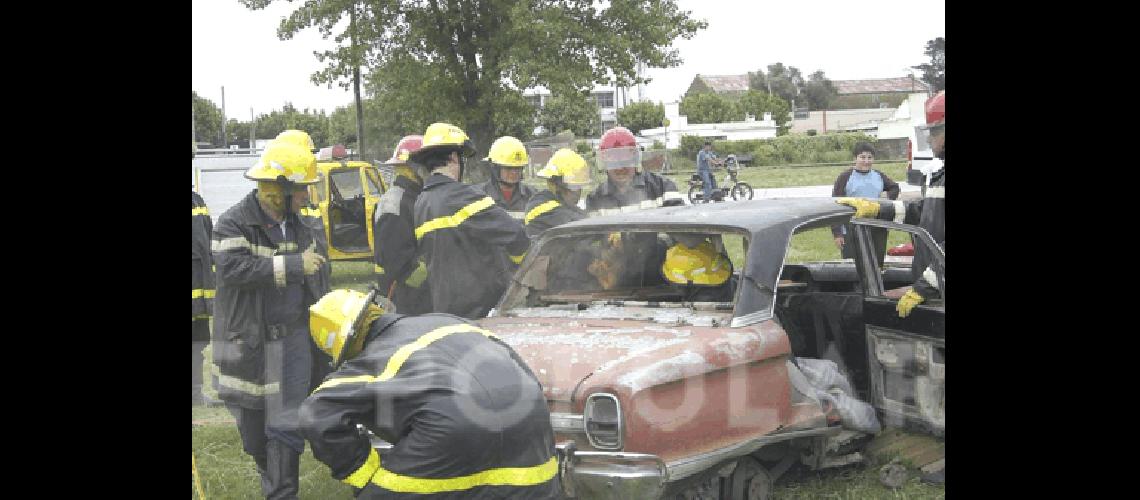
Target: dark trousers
pixel 270 435
pixel 709 184
pixel 201 339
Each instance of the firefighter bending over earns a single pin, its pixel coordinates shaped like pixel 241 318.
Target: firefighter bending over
pixel 467 418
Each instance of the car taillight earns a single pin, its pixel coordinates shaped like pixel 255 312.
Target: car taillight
pixel 602 418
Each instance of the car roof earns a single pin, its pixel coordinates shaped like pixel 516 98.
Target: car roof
pixel 751 216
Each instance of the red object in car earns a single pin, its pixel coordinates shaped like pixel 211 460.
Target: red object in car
pixel 903 249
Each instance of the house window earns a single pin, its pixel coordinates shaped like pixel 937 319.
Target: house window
pixel 534 100
pixel 604 99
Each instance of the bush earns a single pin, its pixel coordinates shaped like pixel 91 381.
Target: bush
pixel 811 132
pixel 657 145
pixel 583 148
pixel 783 150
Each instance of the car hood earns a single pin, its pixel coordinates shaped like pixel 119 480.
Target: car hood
pixel 625 354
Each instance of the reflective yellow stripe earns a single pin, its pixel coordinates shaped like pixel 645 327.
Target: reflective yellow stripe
pixel 311 212
pixel 539 210
pixel 333 382
pixel 230 244
pixel 202 316
pixel 199 211
pixel 505 476
pixel 378 269
pixel 202 292
pixel 447 221
pixel 240 385
pixel 360 478
pixel 397 360
pixel 517 260
pixel 402 354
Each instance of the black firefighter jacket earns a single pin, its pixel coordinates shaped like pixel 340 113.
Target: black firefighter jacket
pixel 928 213
pixel 395 260
pixel 517 206
pixel 202 286
pixel 545 211
pixel 647 190
pixel 249 265
pixel 467 418
pixel 463 236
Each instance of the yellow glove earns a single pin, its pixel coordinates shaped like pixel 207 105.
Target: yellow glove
pixel 311 261
pixel 864 208
pixel 909 299
pixel 419 274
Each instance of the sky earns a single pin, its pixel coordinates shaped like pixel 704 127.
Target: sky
pixel 238 48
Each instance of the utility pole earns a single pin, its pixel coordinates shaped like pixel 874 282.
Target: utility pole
pixel 225 142
pixel 356 85
pixel 252 129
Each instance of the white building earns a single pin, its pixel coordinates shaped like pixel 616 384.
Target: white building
pixel 608 98
pixel 911 113
pixel 679 125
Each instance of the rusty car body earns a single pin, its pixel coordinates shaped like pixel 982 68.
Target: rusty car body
pixel 652 395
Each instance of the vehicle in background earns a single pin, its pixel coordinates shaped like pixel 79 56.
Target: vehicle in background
pixel 346 196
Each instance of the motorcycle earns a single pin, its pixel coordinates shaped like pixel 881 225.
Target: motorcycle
pixel 731 186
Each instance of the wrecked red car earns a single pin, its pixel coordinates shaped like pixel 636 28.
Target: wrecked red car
pixel 660 387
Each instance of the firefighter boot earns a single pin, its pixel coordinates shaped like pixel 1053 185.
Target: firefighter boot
pixel 282 467
pixel 262 472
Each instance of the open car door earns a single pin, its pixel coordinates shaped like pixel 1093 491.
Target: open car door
pixel 906 356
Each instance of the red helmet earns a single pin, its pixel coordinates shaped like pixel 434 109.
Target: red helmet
pixel 618 149
pixel 408 145
pixel 936 109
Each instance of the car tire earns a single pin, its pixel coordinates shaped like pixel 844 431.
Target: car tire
pixel 696 194
pixel 741 191
pixel 749 481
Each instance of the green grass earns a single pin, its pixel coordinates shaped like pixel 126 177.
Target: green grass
pixel 854 482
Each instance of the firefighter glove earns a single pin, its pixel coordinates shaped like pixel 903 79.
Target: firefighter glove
pixel 909 299
pixel 311 261
pixel 864 208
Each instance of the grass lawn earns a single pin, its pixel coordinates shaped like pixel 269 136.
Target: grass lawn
pixel 227 472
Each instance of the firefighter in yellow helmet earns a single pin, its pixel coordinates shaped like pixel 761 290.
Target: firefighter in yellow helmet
pixel 567 175
pixel 400 272
pixel 267 275
pixel 508 158
pixel 462 234
pixel 297 137
pixel 466 416
pixel 698 264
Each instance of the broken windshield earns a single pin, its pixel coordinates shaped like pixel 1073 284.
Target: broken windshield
pixel 687 272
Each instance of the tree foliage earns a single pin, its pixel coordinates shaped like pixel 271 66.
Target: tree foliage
pixel 316 124
pixel 207 120
pixel 934 72
pixel 575 112
pixel 639 116
pixel 818 91
pixel 466 61
pixel 709 108
pixel 757 103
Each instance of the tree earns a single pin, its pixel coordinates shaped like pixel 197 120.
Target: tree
pixel 471 58
pixel 819 91
pixel 709 108
pixel 757 103
pixel 786 82
pixel 312 122
pixel 934 72
pixel 641 115
pixel 207 120
pixel 575 112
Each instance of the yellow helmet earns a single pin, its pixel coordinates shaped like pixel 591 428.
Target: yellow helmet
pixel 507 151
pixel 284 161
pixel 700 265
pixel 568 165
pixel 444 135
pixel 298 137
pixel 335 323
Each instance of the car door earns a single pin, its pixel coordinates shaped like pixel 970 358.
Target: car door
pixel 373 188
pixel 906 356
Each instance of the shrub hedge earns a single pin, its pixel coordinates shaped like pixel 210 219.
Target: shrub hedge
pixel 783 150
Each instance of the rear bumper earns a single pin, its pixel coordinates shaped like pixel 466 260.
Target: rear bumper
pixel 610 475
